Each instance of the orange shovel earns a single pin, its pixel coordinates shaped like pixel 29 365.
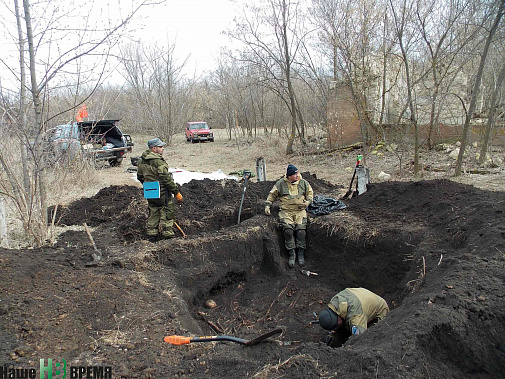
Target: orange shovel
pixel 181 340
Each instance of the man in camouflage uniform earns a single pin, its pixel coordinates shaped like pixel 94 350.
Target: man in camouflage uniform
pixel 294 194
pixel 354 307
pixel 153 168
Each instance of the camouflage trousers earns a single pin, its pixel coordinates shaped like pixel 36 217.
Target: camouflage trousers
pixel 294 225
pixel 161 218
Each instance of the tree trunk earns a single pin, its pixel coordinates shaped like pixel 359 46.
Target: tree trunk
pixel 475 92
pixel 362 123
pixel 384 73
pixel 39 123
pixel 291 94
pixel 410 101
pixel 22 101
pixel 491 117
pixel 433 111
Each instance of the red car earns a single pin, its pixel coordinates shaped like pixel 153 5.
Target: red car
pixel 198 131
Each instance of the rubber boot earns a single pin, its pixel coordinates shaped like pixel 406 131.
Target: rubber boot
pixel 152 239
pixel 292 257
pixel 168 236
pixel 301 258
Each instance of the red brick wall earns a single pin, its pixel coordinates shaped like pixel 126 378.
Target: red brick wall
pixel 343 123
pixel 344 128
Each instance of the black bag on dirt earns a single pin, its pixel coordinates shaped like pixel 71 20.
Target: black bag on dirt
pixel 322 205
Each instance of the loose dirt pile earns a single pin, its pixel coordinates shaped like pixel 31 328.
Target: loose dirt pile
pixel 435 250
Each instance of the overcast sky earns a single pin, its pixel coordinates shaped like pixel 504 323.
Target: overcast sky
pixel 194 25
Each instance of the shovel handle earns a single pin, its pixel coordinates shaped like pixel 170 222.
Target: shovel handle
pixel 179 229
pixel 177 340
pixel 352 180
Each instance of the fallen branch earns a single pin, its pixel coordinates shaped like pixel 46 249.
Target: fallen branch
pixel 434 169
pixel 479 171
pixel 294 302
pixel 277 299
pixel 213 325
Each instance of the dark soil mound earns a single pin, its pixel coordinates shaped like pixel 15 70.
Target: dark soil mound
pixel 109 204
pixel 208 206
pixel 433 249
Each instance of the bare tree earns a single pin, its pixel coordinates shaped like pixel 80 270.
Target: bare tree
pixel 493 106
pixel 355 37
pixel 438 25
pixel 499 6
pixel 45 64
pixel 22 96
pixel 272 38
pixel 239 99
pixel 402 16
pixel 492 113
pixel 157 88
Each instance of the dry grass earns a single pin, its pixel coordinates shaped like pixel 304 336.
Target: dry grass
pixel 143 259
pixel 272 371
pixel 114 337
pixel 142 279
pixel 238 154
pixel 350 227
pixel 241 153
pixel 171 293
pixel 229 155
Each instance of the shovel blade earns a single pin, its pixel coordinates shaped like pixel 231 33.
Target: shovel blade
pixel 347 194
pixel 263 337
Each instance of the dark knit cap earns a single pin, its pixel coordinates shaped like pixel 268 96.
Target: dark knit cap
pixel 291 170
pixel 328 319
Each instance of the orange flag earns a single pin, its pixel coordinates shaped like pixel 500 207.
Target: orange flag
pixel 83 112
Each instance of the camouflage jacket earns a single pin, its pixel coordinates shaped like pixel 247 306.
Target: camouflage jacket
pixel 358 306
pixel 290 195
pixel 153 168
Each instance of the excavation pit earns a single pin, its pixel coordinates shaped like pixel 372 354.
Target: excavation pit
pixel 403 241
pixel 433 249
pixel 245 272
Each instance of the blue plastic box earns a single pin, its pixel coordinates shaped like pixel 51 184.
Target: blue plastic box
pixel 151 190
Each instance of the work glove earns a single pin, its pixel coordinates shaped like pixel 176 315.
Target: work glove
pixel 304 205
pixel 267 210
pixel 178 197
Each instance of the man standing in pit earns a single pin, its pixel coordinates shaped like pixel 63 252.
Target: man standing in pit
pixel 153 168
pixel 354 308
pixel 294 194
